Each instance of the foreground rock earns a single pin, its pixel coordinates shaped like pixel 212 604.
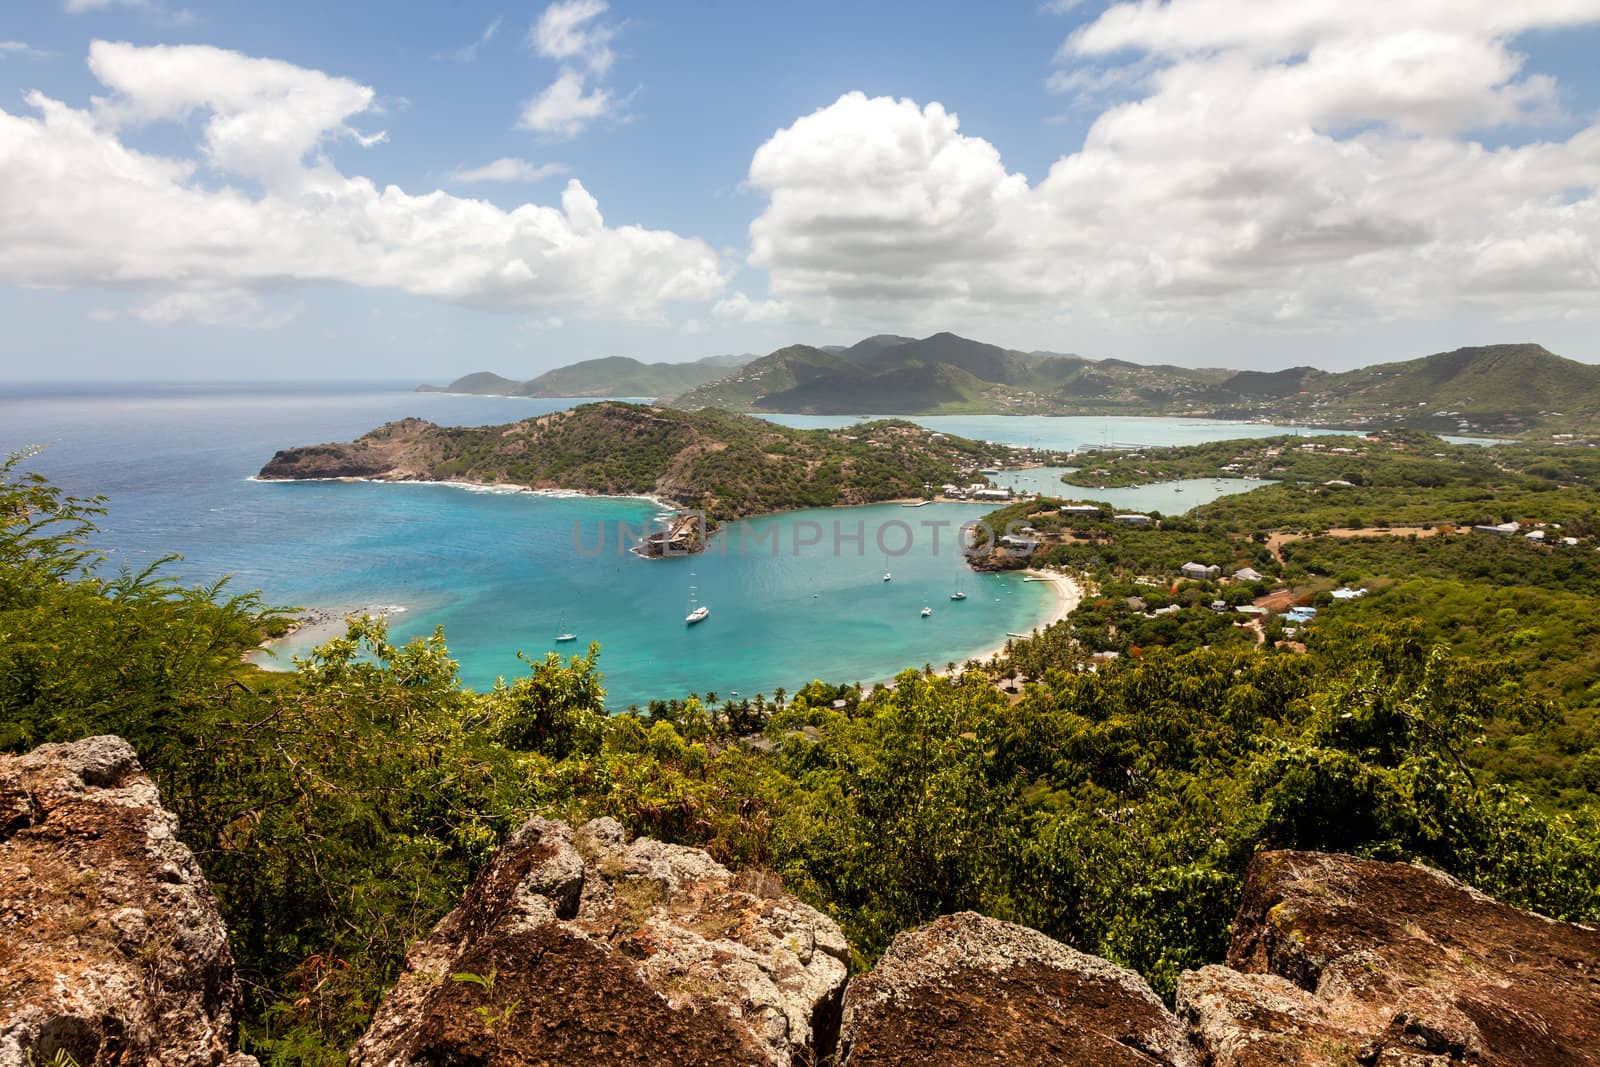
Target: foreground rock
pixel 966 989
pixel 575 946
pixel 1337 960
pixel 111 948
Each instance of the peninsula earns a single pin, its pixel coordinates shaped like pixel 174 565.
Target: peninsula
pixel 725 465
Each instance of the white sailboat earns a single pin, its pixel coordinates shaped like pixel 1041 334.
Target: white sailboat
pixel 565 634
pixel 926 612
pixel 697 612
pixel 961 592
pixel 886 575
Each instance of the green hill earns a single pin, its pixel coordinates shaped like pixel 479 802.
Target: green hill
pixel 1515 379
pixel 483 383
pixel 772 375
pixel 620 376
pixel 910 389
pixel 610 376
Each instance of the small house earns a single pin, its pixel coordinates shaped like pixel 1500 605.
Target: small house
pixel 1505 529
pixel 1249 574
pixel 1200 572
pixel 1133 520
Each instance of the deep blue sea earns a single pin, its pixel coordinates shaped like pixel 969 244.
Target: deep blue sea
pixel 792 597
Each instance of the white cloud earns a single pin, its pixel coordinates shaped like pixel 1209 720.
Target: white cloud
pixel 738 307
pixel 215 307
pixel 564 109
pixel 1292 165
pixel 259 208
pixel 507 169
pixel 22 48
pixel 469 53
pixel 150 8
pixel 568 30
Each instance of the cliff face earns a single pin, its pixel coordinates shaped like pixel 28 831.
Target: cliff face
pixel 1340 960
pixel 111 948
pixel 575 946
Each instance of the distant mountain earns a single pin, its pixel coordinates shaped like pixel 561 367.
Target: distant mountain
pixel 893 375
pixel 862 351
pixel 1489 388
pixel 611 376
pixel 1496 389
pixel 771 375
pixel 483 383
pixel 909 389
pixel 1509 379
pixel 1281 383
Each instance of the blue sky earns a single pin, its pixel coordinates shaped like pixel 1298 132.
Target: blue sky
pixel 240 190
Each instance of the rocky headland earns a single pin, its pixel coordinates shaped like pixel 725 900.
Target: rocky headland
pixel 721 465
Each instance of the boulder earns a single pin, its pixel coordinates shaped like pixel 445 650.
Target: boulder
pixel 966 989
pixel 577 946
pixel 1337 960
pixel 111 947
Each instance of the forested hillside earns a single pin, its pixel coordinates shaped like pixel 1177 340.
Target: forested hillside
pixel 726 465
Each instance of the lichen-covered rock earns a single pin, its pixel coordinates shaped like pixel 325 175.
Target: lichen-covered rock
pixel 111 948
pixel 966 989
pixel 1337 960
pixel 576 946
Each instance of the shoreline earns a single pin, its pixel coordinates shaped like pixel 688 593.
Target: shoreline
pixel 493 488
pixel 321 625
pixel 1069 593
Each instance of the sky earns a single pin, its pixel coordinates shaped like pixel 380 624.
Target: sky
pixel 222 189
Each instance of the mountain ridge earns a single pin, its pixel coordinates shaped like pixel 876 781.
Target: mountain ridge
pixel 1494 389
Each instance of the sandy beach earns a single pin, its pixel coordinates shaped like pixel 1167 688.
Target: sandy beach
pixel 1069 594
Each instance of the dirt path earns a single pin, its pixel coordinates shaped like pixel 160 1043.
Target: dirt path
pixel 1276 542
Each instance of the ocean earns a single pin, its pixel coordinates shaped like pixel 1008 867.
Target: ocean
pixel 792 597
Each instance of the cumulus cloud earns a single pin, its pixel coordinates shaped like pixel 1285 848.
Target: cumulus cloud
pixel 259 207
pixel 564 109
pixel 507 169
pixel 569 30
pixel 1295 164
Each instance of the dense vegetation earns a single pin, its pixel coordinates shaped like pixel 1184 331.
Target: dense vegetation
pixel 341 809
pixel 726 465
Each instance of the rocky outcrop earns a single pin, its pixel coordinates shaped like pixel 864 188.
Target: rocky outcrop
pixel 406 450
pixel 966 989
pixel 1336 960
pixel 576 946
pixel 111 947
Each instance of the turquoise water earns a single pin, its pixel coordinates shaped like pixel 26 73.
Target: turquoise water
pixel 503 572
pixel 1169 498
pixel 1065 433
